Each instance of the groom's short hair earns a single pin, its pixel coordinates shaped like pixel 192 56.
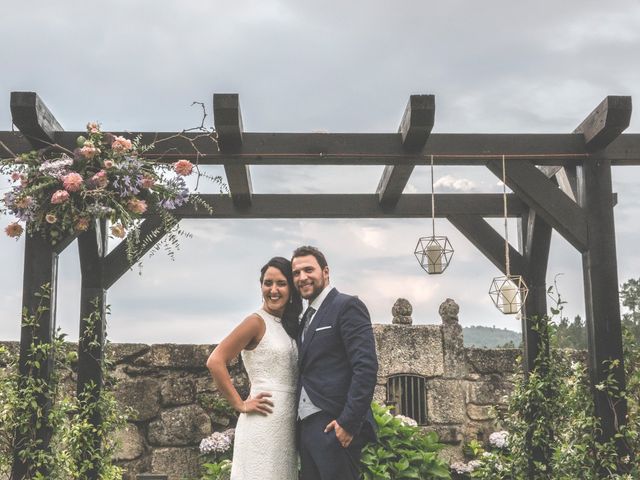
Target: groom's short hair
pixel 309 250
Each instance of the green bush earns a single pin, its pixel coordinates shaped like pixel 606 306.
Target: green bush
pixel 403 451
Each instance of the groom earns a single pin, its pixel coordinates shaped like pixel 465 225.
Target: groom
pixel 338 370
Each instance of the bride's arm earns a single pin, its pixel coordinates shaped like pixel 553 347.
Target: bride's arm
pixel 247 335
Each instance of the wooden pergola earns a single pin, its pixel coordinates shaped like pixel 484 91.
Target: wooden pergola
pixel 559 182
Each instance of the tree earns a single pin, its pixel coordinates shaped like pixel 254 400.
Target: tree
pixel 630 299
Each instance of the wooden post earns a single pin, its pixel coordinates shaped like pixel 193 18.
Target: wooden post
pixel 40 274
pixel 602 302
pixel 92 247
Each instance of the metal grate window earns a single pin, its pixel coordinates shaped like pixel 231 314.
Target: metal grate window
pixel 407 394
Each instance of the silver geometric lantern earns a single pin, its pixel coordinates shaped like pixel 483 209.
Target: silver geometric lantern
pixel 434 253
pixel 509 292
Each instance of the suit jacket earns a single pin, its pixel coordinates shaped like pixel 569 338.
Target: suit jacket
pixel 338 363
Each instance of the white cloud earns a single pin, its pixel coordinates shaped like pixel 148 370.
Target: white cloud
pixel 450 183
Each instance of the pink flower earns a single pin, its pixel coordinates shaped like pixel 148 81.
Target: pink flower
pixel 183 167
pixel 24 180
pixel 15 176
pixel 82 224
pixel 100 179
pixel 14 230
pixel 51 218
pixel 89 150
pixel 137 206
pixel 93 127
pixel 60 196
pixel 108 164
pixel 121 144
pixel 148 181
pixel 118 230
pixel 72 181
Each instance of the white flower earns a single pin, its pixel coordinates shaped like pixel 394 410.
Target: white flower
pixel 217 442
pixel 407 421
pixel 499 439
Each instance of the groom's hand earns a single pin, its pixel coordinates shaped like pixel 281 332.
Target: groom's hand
pixel 342 435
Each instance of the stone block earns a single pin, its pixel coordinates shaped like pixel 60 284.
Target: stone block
pixel 485 361
pixel 177 391
pixel 477 430
pixel 205 384
pixel 141 394
pixel 170 355
pixel 409 349
pixel 492 390
pixel 126 352
pixel 180 426
pixel 445 401
pixel 454 352
pixel 380 394
pixel 177 463
pixel 480 412
pixel 130 443
pixel 450 434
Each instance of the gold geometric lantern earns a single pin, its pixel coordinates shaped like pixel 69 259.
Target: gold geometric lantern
pixel 434 253
pixel 510 291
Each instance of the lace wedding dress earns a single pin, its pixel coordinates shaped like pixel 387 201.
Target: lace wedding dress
pixel 264 446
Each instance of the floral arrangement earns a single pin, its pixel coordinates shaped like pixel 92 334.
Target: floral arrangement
pixel 217 450
pixel 106 177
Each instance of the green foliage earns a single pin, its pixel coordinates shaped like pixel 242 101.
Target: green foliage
pixel 77 445
pixel 554 409
pixel 402 451
pixel 219 470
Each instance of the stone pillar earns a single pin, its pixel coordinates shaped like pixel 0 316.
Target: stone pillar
pixel 452 340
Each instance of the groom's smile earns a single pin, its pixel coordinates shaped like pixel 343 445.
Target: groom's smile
pixel 308 277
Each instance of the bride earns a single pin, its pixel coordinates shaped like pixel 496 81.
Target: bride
pixel 264 446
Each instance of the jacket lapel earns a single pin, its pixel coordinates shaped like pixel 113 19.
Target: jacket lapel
pixel 316 321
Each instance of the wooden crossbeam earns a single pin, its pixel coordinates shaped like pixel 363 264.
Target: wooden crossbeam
pixel 541 194
pixel 369 148
pixel 34 120
pixel 606 122
pixel 415 127
pixel 565 177
pixel 355 206
pixel 117 263
pixel 489 242
pixel 228 123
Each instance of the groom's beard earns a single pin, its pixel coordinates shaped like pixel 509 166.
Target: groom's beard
pixel 317 290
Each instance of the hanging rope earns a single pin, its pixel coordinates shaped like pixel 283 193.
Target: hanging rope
pixel 506 230
pixel 433 204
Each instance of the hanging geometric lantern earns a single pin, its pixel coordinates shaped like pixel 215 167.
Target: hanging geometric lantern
pixel 434 253
pixel 509 292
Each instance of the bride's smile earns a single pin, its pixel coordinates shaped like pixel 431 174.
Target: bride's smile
pixel 275 291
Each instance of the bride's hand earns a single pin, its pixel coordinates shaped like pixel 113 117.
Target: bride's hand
pixel 258 404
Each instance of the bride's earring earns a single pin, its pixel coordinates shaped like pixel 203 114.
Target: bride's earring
pixel 290 298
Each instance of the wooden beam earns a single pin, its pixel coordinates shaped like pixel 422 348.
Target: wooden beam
pixel 117 263
pixel 541 194
pixel 228 123
pixel 370 148
pixel 565 177
pixel 489 242
pixel 414 130
pixel 606 122
pixel 602 302
pixel 34 120
pixel 354 206
pixel 40 275
pixel 92 247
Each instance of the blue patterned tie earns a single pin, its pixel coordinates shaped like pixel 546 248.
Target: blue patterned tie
pixel 306 320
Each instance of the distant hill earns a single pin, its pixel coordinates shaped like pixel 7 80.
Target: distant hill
pixel 490 337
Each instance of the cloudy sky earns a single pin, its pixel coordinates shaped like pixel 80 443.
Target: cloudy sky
pixel 317 66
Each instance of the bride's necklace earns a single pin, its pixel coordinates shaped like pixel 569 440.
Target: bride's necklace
pixel 273 317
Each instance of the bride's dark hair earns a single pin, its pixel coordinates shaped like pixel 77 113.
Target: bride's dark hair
pixel 294 305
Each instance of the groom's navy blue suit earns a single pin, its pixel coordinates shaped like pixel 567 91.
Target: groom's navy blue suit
pixel 338 370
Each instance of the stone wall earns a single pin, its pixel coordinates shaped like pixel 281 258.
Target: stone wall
pixel 176 404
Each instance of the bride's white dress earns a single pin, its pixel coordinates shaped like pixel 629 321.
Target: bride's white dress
pixel 264 446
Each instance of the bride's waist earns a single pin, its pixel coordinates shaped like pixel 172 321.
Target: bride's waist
pixel 267 386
